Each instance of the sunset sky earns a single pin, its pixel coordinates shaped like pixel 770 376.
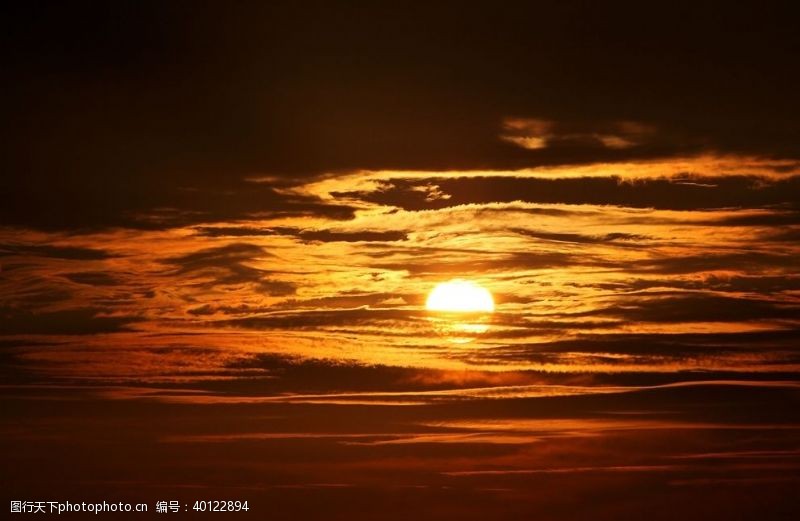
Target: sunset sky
pixel 219 227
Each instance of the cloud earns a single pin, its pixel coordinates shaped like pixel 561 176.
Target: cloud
pixel 54 252
pixel 155 206
pixel 354 300
pixel 83 321
pixel 744 261
pixel 233 231
pixel 617 238
pixel 92 278
pixel 424 261
pixel 660 193
pixel 362 236
pixel 776 217
pixel 700 308
pixel 218 257
pixel 308 235
pixel 226 265
pixel 388 319
pixel 631 348
pixel 537 134
pixel 765 285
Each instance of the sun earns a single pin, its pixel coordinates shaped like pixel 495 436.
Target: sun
pixel 460 296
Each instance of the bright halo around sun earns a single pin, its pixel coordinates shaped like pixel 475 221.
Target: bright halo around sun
pixel 460 296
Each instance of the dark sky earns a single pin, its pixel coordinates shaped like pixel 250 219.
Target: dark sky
pixel 118 109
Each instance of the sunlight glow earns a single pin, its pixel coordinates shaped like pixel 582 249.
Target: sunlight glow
pixel 460 296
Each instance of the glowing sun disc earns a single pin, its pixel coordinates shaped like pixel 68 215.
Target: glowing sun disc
pixel 460 296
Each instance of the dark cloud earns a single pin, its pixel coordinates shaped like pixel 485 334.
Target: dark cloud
pixel 54 252
pixel 777 217
pixel 92 278
pixel 116 114
pixel 227 265
pixel 786 235
pixel 203 310
pixel 767 285
pixel 618 238
pixel 302 374
pixel 389 319
pixel 523 210
pixel 662 193
pixel 363 236
pixel 305 235
pixel 83 321
pixel 218 257
pixel 355 300
pixel 422 260
pixel 159 206
pixel 346 301
pixel 748 261
pixel 538 134
pixel 233 231
pixel 639 347
pixel 693 307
